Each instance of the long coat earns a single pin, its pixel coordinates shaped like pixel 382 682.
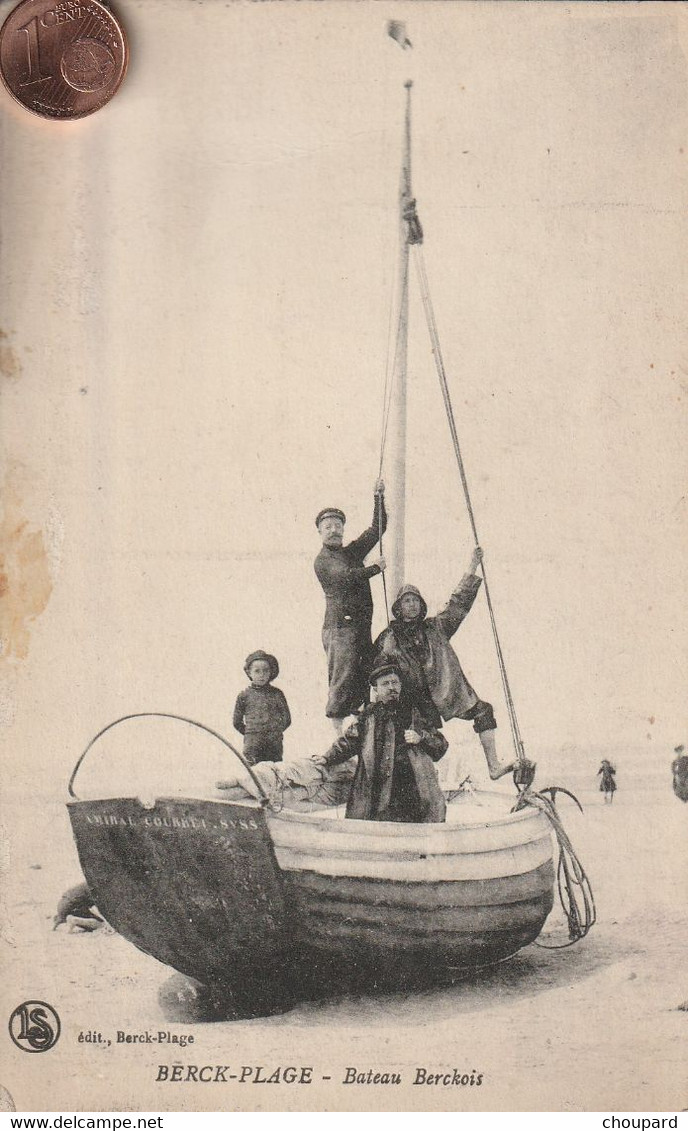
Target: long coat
pixel 434 671
pixel 679 768
pixel 372 792
pixel 346 638
pixel 607 781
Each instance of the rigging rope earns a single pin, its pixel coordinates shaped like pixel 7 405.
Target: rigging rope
pixel 441 373
pixel 384 579
pixel 388 394
pixel 390 370
pixel 572 882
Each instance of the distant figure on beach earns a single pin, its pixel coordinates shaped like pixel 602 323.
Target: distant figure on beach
pixel 607 781
pixel 77 909
pixel 346 633
pixel 679 769
pixel 261 712
pixel 419 644
pixel 396 749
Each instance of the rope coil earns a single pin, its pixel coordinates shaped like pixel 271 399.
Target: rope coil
pixel 573 885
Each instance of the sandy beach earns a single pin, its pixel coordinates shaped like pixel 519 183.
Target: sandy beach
pixel 594 1027
pixel 199 322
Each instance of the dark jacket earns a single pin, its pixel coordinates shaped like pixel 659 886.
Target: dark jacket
pixel 376 739
pixel 345 579
pixel 429 664
pixel 608 782
pixel 679 769
pixel 261 710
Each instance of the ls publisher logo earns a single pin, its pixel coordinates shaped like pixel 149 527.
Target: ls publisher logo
pixel 34 1026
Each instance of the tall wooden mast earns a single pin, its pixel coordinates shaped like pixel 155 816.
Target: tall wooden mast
pixel 409 232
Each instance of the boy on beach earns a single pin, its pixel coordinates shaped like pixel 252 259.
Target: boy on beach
pixel 261 713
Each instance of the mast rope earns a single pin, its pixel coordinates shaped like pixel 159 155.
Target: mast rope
pixel 390 369
pixel 441 373
pixel 382 573
pixel 575 893
pixel 386 411
pixel 388 394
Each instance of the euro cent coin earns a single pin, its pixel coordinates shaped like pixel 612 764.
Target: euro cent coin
pixel 62 59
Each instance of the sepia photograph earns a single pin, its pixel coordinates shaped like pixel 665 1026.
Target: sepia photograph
pixel 344 372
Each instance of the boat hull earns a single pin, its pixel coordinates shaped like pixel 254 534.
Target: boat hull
pixel 268 908
pixel 196 885
pixel 401 902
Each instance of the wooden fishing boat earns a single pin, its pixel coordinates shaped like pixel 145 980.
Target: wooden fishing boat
pixel 267 906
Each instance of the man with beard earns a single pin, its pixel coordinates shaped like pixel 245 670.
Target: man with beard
pixel 420 646
pixel 396 748
pixel 345 580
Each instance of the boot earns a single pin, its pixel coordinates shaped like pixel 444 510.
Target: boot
pixel 495 768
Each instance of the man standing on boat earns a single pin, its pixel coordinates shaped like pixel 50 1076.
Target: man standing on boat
pixel 429 665
pixel 345 579
pixel 396 747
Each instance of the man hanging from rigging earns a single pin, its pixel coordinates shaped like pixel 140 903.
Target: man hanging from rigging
pixel 345 579
pixel 429 665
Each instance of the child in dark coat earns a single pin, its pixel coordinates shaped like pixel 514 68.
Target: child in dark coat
pixel 261 712
pixel 608 780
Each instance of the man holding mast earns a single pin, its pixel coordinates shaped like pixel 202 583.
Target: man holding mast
pixel 345 579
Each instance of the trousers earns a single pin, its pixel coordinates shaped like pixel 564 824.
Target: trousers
pixel 263 747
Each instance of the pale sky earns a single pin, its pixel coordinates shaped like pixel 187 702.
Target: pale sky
pixel 196 283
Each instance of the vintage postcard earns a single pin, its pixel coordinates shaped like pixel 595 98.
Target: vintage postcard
pixel 344 384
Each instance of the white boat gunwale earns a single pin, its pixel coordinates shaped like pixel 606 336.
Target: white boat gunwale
pixel 396 828
pixel 444 840
pixel 462 866
pixel 327 815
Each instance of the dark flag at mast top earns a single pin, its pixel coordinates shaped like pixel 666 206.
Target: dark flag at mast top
pixel 397 30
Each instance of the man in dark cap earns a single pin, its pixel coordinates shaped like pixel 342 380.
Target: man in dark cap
pixel 345 580
pixel 429 665
pixel 396 747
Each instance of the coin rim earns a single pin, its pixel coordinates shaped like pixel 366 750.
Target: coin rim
pixel 92 109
